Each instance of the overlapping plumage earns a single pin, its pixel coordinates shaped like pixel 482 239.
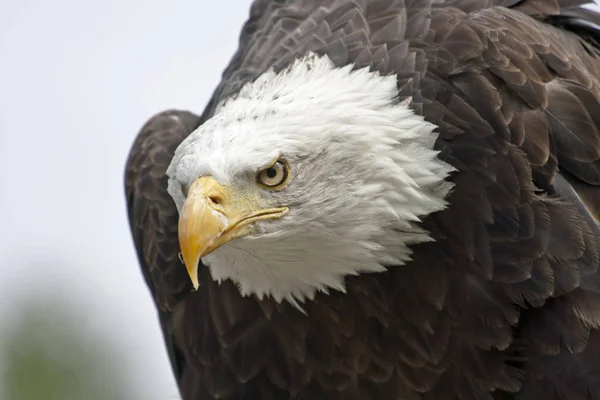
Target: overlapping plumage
pixel 504 303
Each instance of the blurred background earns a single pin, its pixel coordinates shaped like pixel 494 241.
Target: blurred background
pixel 77 81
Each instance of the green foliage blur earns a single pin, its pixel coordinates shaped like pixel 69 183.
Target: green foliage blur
pixel 51 351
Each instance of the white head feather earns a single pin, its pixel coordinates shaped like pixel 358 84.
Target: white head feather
pixel 363 173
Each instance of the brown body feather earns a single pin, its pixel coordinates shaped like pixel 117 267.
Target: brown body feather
pixel 505 304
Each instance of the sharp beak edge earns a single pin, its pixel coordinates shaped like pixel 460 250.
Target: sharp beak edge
pixel 211 216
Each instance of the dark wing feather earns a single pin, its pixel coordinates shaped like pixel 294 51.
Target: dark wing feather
pixel 153 215
pixel 504 304
pixel 523 214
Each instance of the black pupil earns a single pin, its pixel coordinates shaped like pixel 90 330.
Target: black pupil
pixel 272 172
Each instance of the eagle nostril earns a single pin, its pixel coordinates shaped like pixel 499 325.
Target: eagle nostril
pixel 215 199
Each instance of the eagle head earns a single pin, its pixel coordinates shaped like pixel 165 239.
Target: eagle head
pixel 304 177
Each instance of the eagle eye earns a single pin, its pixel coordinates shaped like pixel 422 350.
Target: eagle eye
pixel 274 177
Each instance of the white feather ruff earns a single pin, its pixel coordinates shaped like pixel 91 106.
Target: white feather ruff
pixel 363 174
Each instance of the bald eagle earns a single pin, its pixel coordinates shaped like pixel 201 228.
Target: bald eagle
pixel 384 199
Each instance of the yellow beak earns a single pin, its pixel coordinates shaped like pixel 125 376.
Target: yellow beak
pixel 213 216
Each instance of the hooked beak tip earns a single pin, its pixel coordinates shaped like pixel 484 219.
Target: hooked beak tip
pixel 200 225
pixel 193 273
pixel 205 225
pixel 192 254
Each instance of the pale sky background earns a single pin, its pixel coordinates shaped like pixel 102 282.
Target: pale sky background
pixel 77 81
